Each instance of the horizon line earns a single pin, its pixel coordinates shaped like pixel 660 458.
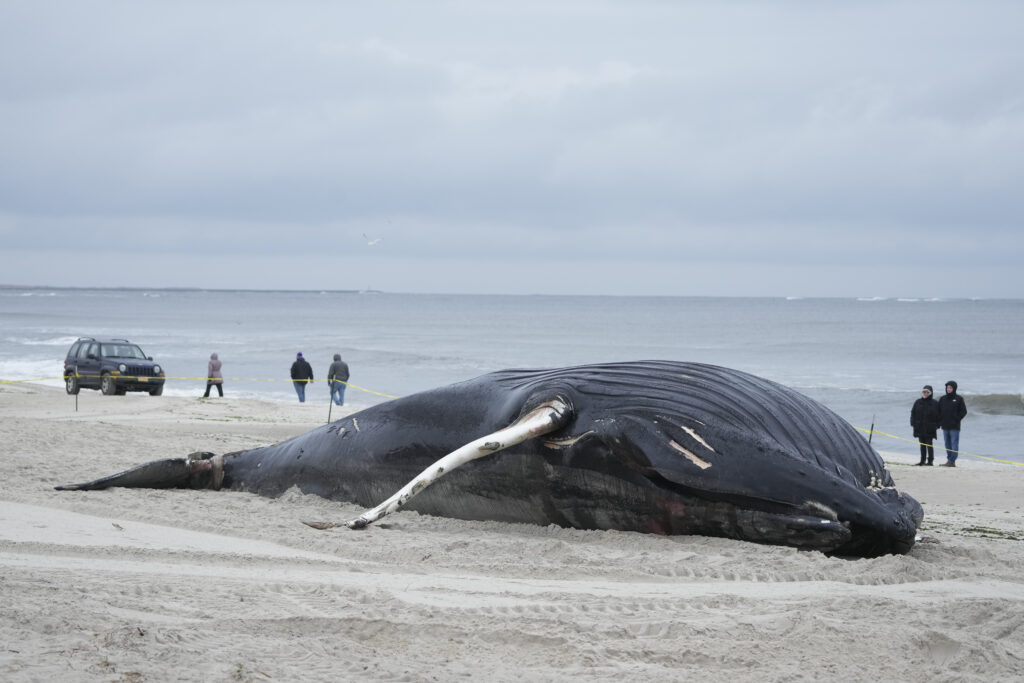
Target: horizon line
pixel 789 297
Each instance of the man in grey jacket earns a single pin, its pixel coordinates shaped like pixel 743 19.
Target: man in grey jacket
pixel 337 376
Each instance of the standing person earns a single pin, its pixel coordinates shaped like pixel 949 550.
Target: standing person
pixel 951 410
pixel 302 374
pixel 337 376
pixel 924 418
pixel 213 376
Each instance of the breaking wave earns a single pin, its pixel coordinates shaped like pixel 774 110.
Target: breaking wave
pixel 996 404
pixel 50 341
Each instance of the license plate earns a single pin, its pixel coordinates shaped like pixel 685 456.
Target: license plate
pixel 143 379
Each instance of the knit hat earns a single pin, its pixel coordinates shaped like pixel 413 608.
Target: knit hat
pixel 928 388
pixel 299 354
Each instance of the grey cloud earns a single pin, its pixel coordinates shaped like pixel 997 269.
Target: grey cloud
pixel 779 131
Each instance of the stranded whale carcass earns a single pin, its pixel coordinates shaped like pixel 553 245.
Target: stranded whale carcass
pixel 652 446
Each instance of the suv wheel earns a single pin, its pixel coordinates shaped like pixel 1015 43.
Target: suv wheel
pixel 157 391
pixel 107 385
pixel 71 384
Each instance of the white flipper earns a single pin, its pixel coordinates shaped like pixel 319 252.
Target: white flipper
pixel 545 419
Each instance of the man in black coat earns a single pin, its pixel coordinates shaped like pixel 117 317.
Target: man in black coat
pixel 302 374
pixel 924 418
pixel 951 411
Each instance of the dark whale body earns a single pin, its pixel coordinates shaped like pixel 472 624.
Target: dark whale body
pixel 653 446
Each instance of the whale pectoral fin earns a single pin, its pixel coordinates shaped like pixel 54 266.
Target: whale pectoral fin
pixel 160 474
pixel 544 419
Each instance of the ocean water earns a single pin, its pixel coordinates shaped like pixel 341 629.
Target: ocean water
pixel 867 359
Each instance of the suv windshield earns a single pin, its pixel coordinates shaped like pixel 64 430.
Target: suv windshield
pixel 121 351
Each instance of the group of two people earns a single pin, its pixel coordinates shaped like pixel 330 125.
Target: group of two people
pixel 928 416
pixel 337 378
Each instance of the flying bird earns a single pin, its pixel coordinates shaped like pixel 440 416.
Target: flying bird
pixel 371 242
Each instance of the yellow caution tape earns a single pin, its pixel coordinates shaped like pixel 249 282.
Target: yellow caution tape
pixel 377 393
pixel 939 448
pixel 195 379
pixel 39 379
pixel 271 379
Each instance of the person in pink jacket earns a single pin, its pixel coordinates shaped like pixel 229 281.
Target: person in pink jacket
pixel 213 376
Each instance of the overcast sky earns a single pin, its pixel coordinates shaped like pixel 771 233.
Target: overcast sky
pixel 671 148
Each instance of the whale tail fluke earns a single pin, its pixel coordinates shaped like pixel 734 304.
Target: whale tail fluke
pixel 198 470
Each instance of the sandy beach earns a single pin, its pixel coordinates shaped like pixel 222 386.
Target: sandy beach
pixel 149 585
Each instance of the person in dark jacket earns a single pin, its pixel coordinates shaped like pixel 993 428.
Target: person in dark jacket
pixel 924 418
pixel 302 374
pixel 337 376
pixel 952 410
pixel 214 378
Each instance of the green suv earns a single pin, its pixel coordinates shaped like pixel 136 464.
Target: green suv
pixel 113 366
